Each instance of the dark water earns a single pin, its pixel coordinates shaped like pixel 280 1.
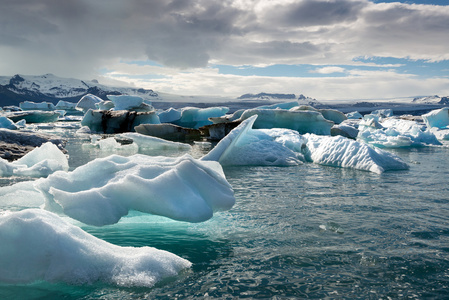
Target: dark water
pixel 298 232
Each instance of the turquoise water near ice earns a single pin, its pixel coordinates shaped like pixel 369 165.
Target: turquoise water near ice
pixel 306 231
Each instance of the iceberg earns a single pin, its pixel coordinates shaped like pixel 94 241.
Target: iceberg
pixel 29 105
pixel 333 115
pixel 38 245
pixel 354 115
pixel 40 162
pixel 105 189
pixel 193 117
pixel 7 123
pixel 146 142
pixel 65 105
pixel 33 116
pixel 342 152
pixel 87 102
pixel 127 102
pixel 303 121
pixel 119 121
pixel 397 133
pixel 168 131
pixel 170 115
pixel 438 118
pixel 247 146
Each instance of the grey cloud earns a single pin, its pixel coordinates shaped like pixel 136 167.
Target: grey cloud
pixel 313 13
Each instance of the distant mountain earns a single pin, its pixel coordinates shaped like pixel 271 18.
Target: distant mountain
pixel 431 100
pixel 51 88
pixel 267 96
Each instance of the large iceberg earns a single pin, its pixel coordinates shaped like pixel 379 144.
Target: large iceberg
pixel 303 121
pixel 87 102
pixel 247 146
pixel 395 133
pixel 38 245
pixel 437 118
pixel 127 102
pixel 193 117
pixel 119 121
pixel 342 152
pixel 29 105
pixel 105 189
pixel 40 162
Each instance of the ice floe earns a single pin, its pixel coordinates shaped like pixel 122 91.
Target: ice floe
pixel 105 189
pixel 37 245
pixel 339 151
pixel 42 161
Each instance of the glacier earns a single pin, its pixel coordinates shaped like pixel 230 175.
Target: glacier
pixel 38 245
pixel 105 189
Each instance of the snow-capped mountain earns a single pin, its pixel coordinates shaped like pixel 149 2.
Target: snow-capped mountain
pixel 431 100
pixel 51 88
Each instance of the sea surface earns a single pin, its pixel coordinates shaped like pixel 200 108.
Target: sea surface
pixel 299 232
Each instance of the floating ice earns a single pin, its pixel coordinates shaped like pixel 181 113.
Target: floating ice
pixel 117 121
pixel 40 162
pixel 247 146
pixel 396 133
pixel 345 130
pixel 65 105
pixel 170 115
pixel 437 118
pixel 303 121
pixel 28 105
pixel 284 105
pixel 146 142
pixel 87 102
pixel 383 113
pixel 105 189
pixel 339 151
pixel 333 115
pixel 33 116
pixel 127 102
pixel 7 123
pixel 193 117
pixel 38 245
pixel 354 115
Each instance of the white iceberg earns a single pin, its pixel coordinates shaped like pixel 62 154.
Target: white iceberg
pixel 247 146
pixel 170 115
pixel 396 133
pixel 303 121
pixel 65 105
pixel 7 123
pixel 105 189
pixel 342 152
pixel 193 117
pixel 354 115
pixel 146 142
pixel 40 162
pixel 87 102
pixel 38 245
pixel 127 102
pixel 29 105
pixel 438 118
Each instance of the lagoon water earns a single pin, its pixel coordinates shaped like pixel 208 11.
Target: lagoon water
pixel 297 232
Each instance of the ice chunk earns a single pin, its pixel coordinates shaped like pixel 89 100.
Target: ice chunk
pixel 354 115
pixel 342 152
pixel 127 102
pixel 40 162
pixel 247 146
pixel 345 130
pixel 333 115
pixel 65 105
pixel 7 123
pixel 105 189
pixel 437 118
pixel 87 102
pixel 383 113
pixel 33 116
pixel 154 143
pixel 117 121
pixel 38 245
pixel 105 105
pixel 284 105
pixel 193 117
pixel 303 121
pixel 396 133
pixel 168 131
pixel 170 115
pixel 28 105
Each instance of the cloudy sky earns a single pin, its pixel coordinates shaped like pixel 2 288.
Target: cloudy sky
pixel 325 49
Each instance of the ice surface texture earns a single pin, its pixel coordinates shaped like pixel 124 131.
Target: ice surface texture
pixel 40 162
pixel 104 190
pixel 339 151
pixel 437 118
pixel 38 245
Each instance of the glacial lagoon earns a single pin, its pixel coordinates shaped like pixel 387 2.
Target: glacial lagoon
pixel 298 231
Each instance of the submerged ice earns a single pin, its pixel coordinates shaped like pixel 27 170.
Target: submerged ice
pixel 38 245
pixel 105 189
